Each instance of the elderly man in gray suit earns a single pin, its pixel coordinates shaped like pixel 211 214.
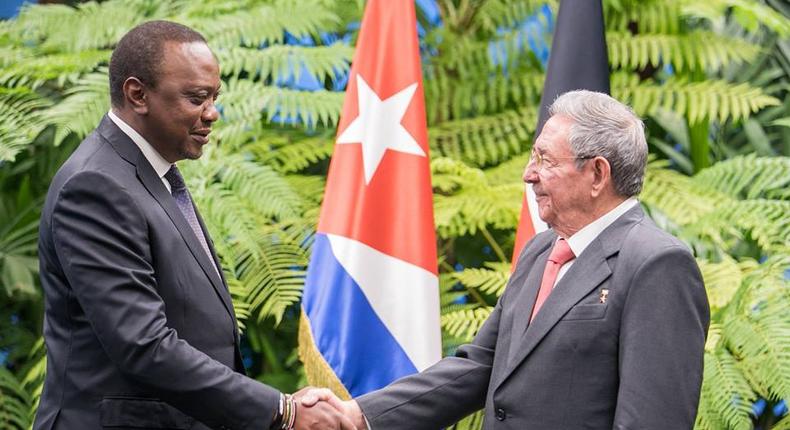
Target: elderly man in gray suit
pixel 603 323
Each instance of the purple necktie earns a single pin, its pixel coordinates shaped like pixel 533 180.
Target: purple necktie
pixel 184 201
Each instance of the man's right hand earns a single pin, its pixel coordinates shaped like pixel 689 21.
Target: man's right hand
pixel 319 409
pixel 314 397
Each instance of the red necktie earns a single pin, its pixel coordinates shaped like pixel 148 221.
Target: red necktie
pixel 560 255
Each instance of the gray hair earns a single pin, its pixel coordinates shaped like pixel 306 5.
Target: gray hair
pixel 602 126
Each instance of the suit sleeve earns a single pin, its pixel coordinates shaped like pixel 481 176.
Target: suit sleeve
pixel 101 240
pixel 662 340
pixel 442 394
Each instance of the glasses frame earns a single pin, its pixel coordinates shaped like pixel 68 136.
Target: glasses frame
pixel 539 160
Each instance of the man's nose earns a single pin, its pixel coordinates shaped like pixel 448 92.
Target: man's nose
pixel 530 175
pixel 210 113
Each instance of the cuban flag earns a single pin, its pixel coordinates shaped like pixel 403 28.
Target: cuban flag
pixel 371 300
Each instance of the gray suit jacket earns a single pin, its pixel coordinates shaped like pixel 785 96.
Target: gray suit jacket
pixel 139 327
pixel 634 362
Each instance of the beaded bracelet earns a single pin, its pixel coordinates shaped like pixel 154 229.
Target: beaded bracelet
pixel 289 413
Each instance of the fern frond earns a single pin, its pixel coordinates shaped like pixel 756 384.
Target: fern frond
pixel 699 50
pixel 14 402
pixel 493 15
pixel 762 342
pixel 33 375
pixel 13 54
pixel 749 177
pixel 765 220
pixel 726 397
pixel 750 15
pixel 290 157
pixel 83 107
pixel 262 191
pixel 244 100
pixel 675 194
pixel 722 280
pixel 472 209
pixel 485 140
pixel 264 24
pixel 255 216
pixel 265 259
pixel 448 97
pixel 279 62
pixel 468 202
pixel 465 323
pixel 311 189
pixel 61 68
pixel 89 26
pixel 649 16
pixel 467 57
pixel 711 99
pixel 490 280
pixel 451 294
pixel 20 120
pixel 510 171
pixel 274 273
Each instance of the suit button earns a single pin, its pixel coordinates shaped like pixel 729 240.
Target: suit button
pixel 500 414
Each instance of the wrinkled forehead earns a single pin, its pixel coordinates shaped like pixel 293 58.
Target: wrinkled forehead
pixel 554 136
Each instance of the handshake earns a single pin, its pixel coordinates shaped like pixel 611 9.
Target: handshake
pixel 318 409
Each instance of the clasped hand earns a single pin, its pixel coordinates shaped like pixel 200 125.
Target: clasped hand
pixel 320 409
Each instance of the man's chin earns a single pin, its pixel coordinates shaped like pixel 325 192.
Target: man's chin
pixel 192 154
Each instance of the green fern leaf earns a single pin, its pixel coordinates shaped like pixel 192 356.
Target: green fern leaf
pixel 485 140
pixel 83 107
pixel 698 101
pixel 14 402
pixel 62 68
pixel 699 50
pixel 465 323
pixel 243 101
pixel 749 177
pixel 726 397
pixel 280 62
pixel 722 280
pixel 20 120
pixel 264 24
pixel 491 280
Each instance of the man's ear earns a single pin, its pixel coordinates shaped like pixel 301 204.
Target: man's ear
pixel 134 93
pixel 602 175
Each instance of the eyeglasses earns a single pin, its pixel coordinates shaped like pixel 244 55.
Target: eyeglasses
pixel 541 161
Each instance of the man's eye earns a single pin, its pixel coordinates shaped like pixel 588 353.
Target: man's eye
pixel 197 100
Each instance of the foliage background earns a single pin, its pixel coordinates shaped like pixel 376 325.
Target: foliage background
pixel 712 80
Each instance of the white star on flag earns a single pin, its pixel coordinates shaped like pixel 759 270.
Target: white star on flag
pixel 378 126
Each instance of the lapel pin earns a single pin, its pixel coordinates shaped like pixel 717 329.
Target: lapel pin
pixel 604 295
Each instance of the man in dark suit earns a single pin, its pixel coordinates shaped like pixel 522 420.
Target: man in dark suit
pixel 139 325
pixel 603 322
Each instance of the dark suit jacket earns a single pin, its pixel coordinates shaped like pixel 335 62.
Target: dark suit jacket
pixel 139 327
pixel 634 362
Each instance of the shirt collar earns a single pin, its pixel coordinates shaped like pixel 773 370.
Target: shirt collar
pixel 160 165
pixel 584 237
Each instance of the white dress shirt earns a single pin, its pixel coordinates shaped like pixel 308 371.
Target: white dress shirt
pixel 584 237
pixel 160 165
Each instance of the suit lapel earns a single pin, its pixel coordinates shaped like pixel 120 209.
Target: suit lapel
pixel 157 189
pixel 223 292
pixel 131 153
pixel 530 284
pixel 588 271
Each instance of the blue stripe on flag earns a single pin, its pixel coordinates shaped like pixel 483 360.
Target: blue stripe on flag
pixel 346 329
